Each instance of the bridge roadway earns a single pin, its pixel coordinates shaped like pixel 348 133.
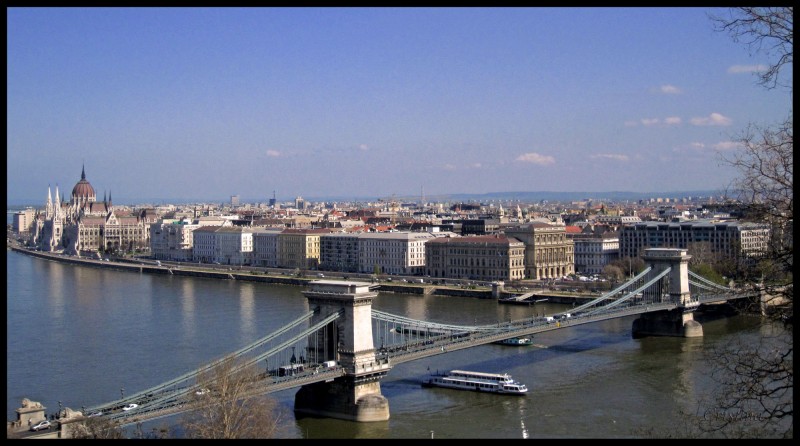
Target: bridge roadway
pixel 154 407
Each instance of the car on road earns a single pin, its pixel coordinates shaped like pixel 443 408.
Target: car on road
pixel 44 424
pixel 201 392
pixel 130 407
pixel 96 413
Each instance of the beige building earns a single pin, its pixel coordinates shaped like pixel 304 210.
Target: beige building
pixel 299 248
pixel 483 257
pixel 23 220
pixel 549 254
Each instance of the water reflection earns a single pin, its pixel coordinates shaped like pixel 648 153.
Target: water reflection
pixel 247 314
pixel 187 300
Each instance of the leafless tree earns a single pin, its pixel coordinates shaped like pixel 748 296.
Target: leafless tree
pixel 99 428
pixel 614 272
pixel 233 407
pixel 763 29
pixel 754 393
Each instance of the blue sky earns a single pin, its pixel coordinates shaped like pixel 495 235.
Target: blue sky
pixel 207 103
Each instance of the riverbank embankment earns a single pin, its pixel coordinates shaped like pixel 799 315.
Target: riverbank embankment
pixel 209 272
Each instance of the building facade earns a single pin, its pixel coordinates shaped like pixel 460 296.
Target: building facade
pixel 299 248
pixel 392 252
pixel 592 254
pixel 549 254
pixel 718 239
pixel 339 252
pixel 487 257
pixel 265 246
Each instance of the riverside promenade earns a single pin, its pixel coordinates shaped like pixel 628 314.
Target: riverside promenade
pixel 287 277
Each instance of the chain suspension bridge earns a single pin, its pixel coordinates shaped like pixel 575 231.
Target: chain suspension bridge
pixel 345 345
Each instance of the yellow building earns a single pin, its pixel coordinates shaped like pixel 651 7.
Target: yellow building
pixel 299 248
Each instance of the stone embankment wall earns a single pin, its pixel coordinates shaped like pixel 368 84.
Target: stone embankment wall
pixel 189 271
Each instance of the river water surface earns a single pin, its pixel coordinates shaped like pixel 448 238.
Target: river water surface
pixel 82 336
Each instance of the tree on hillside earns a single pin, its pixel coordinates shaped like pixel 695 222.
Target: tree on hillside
pixel 754 394
pixel 232 407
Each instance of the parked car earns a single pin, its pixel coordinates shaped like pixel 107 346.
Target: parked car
pixel 96 413
pixel 130 407
pixel 201 392
pixel 44 424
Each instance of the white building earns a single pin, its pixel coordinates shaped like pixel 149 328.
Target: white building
pixel 171 239
pixel 592 254
pixel 393 252
pixel 227 245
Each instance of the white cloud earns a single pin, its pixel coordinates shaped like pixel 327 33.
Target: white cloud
pixel 712 119
pixel 535 158
pixel 726 145
pixel 363 147
pixel 649 121
pixel 449 167
pixel 273 153
pixel 670 89
pixel 672 120
pixel 612 156
pixel 697 145
pixel 477 165
pixel 736 69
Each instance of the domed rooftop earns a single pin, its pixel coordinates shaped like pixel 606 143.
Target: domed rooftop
pixel 83 191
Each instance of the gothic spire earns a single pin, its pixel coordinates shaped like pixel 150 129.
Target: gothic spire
pixel 83 172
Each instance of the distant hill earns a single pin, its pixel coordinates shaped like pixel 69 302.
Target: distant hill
pixel 528 197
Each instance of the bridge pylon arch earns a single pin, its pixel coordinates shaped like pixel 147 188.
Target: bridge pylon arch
pixel 680 321
pixel 356 396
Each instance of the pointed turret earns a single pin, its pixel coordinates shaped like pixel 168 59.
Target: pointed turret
pixel 83 172
pixel 48 208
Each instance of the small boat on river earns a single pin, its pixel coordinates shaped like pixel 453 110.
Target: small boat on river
pixel 515 341
pixel 476 381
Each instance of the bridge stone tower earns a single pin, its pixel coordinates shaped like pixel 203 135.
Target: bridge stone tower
pixel 680 321
pixel 357 395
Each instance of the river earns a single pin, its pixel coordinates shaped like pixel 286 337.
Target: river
pixel 82 336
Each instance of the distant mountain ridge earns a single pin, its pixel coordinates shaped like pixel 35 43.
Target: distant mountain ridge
pixel 530 197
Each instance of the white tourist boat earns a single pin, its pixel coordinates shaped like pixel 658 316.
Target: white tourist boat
pixel 476 381
pixel 519 341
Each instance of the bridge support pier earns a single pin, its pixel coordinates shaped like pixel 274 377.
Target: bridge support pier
pixel 676 323
pixel 356 396
pixel 343 399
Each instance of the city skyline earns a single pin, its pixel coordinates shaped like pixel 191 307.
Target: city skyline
pixel 374 102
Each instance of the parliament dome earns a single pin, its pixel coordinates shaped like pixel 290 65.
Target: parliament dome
pixel 83 190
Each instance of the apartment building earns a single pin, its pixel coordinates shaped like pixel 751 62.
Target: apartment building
pixel 265 246
pixel 483 257
pixel 171 239
pixel 226 245
pixel 393 252
pixel 299 248
pixel 339 252
pixel 721 239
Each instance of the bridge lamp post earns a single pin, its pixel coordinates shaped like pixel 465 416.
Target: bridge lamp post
pixel 122 393
pixel 59 410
